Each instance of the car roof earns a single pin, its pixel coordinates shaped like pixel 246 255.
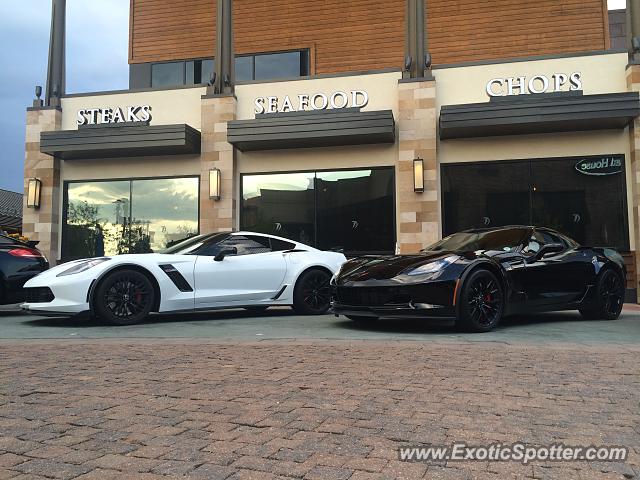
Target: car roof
pixel 506 227
pixel 245 232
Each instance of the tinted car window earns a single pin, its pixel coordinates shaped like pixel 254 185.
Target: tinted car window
pixel 194 245
pixel 505 240
pixel 281 245
pixel 244 244
pixel 540 238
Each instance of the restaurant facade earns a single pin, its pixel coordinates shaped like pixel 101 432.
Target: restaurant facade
pixel 371 161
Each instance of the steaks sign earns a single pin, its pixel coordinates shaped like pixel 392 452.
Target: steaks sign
pixel 609 165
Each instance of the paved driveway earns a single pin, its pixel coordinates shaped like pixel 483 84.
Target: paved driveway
pixel 283 324
pixel 228 395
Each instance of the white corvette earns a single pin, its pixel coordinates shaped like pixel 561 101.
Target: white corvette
pixel 206 272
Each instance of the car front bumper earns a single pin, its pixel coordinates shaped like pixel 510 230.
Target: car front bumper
pixel 427 300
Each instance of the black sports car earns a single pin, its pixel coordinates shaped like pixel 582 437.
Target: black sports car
pixel 19 262
pixel 478 276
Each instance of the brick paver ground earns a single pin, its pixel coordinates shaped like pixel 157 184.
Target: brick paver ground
pixel 316 410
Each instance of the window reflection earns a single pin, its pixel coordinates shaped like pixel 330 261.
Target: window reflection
pixel 140 216
pixel 352 211
pixel 163 212
pixel 278 65
pixel 549 193
pixel 167 74
pixel 280 204
pixel 355 210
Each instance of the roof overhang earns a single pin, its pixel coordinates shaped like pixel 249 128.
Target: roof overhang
pixel 108 141
pixel 321 128
pixel 545 113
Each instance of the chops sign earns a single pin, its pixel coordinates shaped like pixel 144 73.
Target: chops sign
pixel 317 101
pixel 558 82
pixel 97 116
pixel 600 166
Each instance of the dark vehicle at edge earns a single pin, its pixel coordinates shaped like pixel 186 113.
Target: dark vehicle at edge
pixel 19 262
pixel 476 277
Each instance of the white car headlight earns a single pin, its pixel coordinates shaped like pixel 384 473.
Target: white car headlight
pixel 83 266
pixel 433 267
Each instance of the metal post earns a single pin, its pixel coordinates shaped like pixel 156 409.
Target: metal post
pixel 417 61
pixel 633 30
pixel 56 70
pixel 225 60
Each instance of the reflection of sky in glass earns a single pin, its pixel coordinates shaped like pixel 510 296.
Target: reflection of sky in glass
pixel 335 176
pixel 168 208
pixel 251 184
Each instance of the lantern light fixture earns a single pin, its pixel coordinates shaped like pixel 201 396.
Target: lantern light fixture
pixel 34 189
pixel 418 175
pixel 214 183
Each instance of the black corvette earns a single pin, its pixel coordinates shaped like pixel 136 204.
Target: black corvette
pixel 479 276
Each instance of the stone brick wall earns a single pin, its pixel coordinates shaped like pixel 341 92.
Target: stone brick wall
pixel 42 224
pixel 633 83
pixel 418 213
pixel 217 216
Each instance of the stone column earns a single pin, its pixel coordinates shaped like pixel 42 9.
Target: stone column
pixel 217 215
pixel 42 224
pixel 418 216
pixel 633 84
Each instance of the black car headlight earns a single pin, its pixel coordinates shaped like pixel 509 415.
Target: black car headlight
pixel 433 267
pixel 83 266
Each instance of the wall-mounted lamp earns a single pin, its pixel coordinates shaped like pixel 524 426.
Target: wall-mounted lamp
pixel 34 187
pixel 418 175
pixel 214 184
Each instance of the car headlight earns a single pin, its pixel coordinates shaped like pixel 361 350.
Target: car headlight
pixel 83 266
pixel 433 267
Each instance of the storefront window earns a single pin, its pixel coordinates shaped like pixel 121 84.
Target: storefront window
pixel 351 211
pixel 138 216
pixel 549 192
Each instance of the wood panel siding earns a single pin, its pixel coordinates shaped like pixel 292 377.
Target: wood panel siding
pixel 361 35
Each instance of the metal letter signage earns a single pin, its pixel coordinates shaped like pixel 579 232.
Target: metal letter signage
pixel 558 82
pixel 314 101
pixel 610 165
pixel 97 116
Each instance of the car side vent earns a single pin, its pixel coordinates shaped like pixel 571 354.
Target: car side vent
pixel 177 278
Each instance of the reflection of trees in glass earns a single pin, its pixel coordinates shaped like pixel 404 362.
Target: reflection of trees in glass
pixel 83 236
pixel 183 232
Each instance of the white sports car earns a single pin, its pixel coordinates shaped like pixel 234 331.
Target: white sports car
pixel 206 272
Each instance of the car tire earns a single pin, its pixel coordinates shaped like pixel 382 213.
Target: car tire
pixel 312 294
pixel 359 319
pixel 124 297
pixel 609 299
pixel 481 302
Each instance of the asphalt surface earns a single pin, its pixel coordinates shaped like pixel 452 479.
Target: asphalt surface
pixel 282 323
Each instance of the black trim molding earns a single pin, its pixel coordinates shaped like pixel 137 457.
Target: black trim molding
pixel 321 128
pixel 543 113
pixel 121 141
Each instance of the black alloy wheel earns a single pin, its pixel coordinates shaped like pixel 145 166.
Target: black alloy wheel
pixel 481 302
pixel 609 297
pixel 124 297
pixel 312 295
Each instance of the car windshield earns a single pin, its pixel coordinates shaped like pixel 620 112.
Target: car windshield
pixel 191 244
pixel 505 240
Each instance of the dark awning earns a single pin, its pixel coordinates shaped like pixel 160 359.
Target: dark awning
pixel 321 128
pixel 102 141
pixel 539 114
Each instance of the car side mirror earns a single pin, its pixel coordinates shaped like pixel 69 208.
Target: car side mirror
pixel 545 250
pixel 223 253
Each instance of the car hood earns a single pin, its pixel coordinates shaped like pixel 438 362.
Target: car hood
pixel 387 267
